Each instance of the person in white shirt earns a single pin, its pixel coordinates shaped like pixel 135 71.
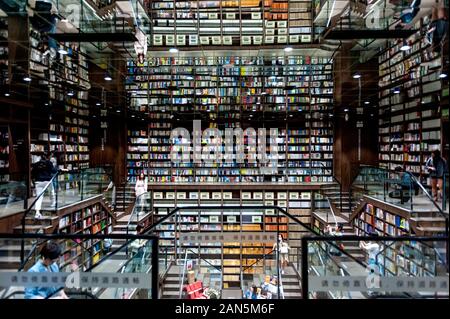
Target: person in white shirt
pixel 140 188
pixel 372 248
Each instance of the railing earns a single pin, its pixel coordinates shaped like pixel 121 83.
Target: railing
pixel 402 259
pixel 399 188
pixel 197 271
pixel 66 188
pixel 142 206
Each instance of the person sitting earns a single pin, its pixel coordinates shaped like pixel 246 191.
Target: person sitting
pixel 405 186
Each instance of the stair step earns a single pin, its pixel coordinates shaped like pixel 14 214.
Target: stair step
pixel 33 228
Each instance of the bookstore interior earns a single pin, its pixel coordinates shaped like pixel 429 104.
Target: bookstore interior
pixel 212 149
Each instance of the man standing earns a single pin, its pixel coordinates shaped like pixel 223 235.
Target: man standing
pixel 42 173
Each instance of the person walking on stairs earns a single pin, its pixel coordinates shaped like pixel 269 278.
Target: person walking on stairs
pixel 42 173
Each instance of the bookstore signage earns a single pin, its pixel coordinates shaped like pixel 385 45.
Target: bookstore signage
pixel 378 283
pixel 228 237
pixel 76 280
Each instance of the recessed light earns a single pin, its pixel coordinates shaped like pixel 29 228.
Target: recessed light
pixel 288 49
pixel 356 76
pixel 423 102
pixel 98 104
pixel 70 93
pixel 443 75
pixel 251 115
pixel 366 102
pixel 7 94
pixel 396 90
pixel 173 50
pixel 27 78
pixel 133 115
pixel 290 115
pixel 118 111
pixel 46 104
pixel 108 77
pixel 405 47
pixel 62 51
pixel 345 110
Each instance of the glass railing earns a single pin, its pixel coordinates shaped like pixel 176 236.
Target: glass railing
pixel 80 264
pixel 141 215
pixel 388 267
pixel 13 195
pixel 402 189
pixel 67 188
pixel 200 278
pixel 322 263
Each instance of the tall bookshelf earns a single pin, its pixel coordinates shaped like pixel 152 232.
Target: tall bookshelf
pixel 89 220
pixel 61 121
pixel 4 63
pixel 410 258
pixel 232 257
pixel 235 22
pixel 292 94
pixel 409 101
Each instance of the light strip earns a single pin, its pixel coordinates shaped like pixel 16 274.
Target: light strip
pixel 331 13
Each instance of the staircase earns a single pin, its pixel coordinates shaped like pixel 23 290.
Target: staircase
pixel 45 225
pixel 342 207
pixel 291 283
pixel 125 197
pixel 171 284
pixel 428 224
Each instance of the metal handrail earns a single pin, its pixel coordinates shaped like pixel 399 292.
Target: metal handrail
pixel 416 181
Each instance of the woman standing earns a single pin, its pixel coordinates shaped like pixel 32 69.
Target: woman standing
pixel 436 166
pixel 140 188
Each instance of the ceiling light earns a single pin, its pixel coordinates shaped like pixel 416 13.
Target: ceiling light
pixel 46 104
pixel 443 75
pixel 27 78
pixel 133 115
pixel 173 50
pixel 62 51
pixel 189 77
pixel 98 104
pixel 108 77
pixel 288 49
pixel 70 93
pixel 356 76
pixel 366 102
pixel 290 115
pixel 118 111
pixel 423 102
pixel 396 90
pixel 7 94
pixel 405 46
pixel 251 115
pixel 345 110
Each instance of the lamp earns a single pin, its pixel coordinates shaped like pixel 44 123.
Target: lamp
pixel 405 46
pixel 356 76
pixel 107 77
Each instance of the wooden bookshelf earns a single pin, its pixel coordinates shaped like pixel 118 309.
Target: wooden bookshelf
pixel 60 121
pixel 233 257
pixel 92 219
pixel 292 94
pixel 396 258
pixel 4 50
pixel 409 98
pixel 230 23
